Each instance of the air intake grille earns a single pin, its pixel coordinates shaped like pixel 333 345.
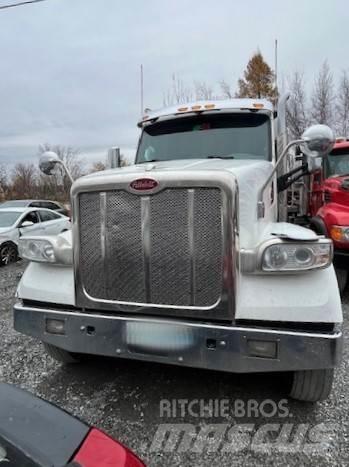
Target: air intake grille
pixel 163 249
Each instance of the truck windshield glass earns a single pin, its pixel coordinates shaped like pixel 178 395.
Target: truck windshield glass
pixel 337 163
pixel 8 218
pixel 238 136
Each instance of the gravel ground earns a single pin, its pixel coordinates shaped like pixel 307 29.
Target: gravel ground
pixel 123 398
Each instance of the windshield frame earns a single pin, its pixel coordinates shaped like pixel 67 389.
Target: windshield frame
pixel 191 115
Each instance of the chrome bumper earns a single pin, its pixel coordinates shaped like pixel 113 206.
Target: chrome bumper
pixel 199 345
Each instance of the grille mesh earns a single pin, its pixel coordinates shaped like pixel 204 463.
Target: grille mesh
pixel 170 262
pixel 169 274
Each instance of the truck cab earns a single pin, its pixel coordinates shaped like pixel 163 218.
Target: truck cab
pixel 330 206
pixel 187 258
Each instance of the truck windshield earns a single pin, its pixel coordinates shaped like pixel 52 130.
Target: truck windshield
pixel 337 162
pixel 237 136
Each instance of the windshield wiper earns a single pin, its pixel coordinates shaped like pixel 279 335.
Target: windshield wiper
pixel 220 157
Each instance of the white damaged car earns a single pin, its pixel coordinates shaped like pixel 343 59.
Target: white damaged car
pixel 18 222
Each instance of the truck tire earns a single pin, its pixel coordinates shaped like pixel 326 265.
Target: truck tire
pixel 61 355
pixel 311 385
pixel 342 278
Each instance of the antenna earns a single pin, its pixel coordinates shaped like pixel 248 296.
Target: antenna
pixel 276 63
pixel 142 91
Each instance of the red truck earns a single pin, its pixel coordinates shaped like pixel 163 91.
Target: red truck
pixel 329 205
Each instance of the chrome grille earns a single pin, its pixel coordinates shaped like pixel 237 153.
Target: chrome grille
pixel 163 249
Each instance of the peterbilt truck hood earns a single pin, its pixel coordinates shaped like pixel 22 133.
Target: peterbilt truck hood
pixel 250 176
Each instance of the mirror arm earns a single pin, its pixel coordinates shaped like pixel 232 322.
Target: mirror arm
pixel 66 170
pixel 260 204
pixel 284 181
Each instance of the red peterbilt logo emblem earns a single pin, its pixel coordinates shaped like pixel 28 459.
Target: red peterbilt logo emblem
pixel 144 184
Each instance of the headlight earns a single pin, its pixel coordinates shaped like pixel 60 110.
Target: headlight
pixel 340 233
pixel 45 250
pixel 289 256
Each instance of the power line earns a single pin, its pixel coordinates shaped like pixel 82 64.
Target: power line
pixel 20 4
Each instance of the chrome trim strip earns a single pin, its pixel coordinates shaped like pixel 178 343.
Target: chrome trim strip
pixel 103 211
pixel 98 301
pixel 146 244
pixel 191 234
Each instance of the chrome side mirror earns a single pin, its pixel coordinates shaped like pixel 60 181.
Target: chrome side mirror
pixel 48 162
pixel 318 141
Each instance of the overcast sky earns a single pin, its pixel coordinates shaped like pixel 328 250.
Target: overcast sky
pixel 70 69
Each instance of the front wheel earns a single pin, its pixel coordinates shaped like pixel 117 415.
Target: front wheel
pixel 8 254
pixel 311 385
pixel 61 355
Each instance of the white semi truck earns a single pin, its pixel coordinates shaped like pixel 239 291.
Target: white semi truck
pixel 194 256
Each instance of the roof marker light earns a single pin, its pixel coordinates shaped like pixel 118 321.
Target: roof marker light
pixel 196 107
pixel 182 109
pixel 258 105
pixel 209 106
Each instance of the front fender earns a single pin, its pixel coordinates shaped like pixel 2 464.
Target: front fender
pixel 49 283
pixel 305 297
pixel 335 214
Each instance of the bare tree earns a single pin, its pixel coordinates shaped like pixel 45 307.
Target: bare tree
pixel 98 166
pixel 4 182
pixel 178 93
pixel 226 90
pixel 296 115
pixel 24 181
pixel 322 100
pixel 342 106
pixel 203 91
pixel 124 162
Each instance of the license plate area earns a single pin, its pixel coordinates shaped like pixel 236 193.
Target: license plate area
pixel 157 338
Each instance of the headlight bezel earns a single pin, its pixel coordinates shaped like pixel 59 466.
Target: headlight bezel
pixel 252 261
pixel 61 249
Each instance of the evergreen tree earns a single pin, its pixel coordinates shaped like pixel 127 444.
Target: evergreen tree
pixel 258 81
